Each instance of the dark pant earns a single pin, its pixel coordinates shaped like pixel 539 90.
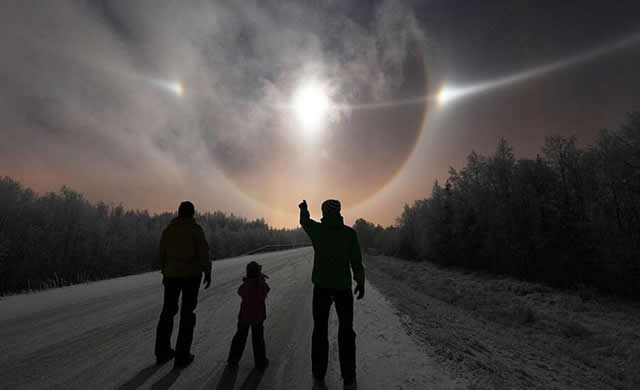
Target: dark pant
pixel 172 289
pixel 240 340
pixel 322 299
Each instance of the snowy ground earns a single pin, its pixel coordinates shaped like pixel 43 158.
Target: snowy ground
pixel 100 335
pixel 497 332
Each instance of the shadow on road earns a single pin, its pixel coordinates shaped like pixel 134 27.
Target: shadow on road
pixel 228 379
pixel 141 377
pixel 166 381
pixel 253 380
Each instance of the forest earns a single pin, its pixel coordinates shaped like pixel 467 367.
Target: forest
pixel 569 217
pixel 60 238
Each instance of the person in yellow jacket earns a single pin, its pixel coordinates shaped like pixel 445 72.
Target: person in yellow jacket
pixel 183 256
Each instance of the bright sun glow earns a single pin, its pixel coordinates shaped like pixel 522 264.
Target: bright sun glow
pixel 445 95
pixel 177 88
pixel 311 105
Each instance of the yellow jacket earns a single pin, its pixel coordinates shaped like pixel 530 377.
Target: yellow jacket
pixel 183 251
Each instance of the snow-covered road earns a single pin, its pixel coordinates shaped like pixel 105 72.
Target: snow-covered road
pixel 100 336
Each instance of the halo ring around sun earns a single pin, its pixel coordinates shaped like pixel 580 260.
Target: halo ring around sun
pixel 311 106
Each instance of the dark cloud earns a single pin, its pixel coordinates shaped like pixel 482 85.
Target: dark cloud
pixel 113 17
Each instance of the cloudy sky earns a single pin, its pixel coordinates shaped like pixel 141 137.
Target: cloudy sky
pixel 248 107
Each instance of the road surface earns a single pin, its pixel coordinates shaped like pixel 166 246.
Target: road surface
pixel 101 335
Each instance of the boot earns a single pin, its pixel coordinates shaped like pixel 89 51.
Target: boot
pixel 165 357
pixel 182 362
pixel 350 386
pixel 263 365
pixel 319 384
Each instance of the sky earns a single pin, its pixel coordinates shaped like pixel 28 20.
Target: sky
pixel 249 107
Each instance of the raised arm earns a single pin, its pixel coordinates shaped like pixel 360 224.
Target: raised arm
pixel 306 222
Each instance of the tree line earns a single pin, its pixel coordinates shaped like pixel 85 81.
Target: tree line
pixel 60 238
pixel 569 217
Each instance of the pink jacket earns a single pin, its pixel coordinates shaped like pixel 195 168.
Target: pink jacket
pixel 253 291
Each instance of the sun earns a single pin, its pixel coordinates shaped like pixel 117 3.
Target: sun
pixel 311 105
pixel 176 88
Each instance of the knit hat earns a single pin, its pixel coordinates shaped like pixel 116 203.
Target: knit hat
pixel 186 209
pixel 254 270
pixel 331 206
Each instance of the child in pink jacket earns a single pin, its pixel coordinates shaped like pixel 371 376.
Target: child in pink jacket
pixel 253 312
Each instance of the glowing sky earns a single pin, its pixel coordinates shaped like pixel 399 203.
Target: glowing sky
pixel 249 106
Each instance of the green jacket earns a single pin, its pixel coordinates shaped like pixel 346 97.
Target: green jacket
pixel 183 251
pixel 336 252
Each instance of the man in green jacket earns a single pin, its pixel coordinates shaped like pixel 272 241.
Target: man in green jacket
pixel 336 253
pixel 183 257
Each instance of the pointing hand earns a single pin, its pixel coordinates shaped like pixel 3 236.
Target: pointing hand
pixel 303 205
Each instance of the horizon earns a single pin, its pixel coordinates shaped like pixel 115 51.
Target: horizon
pixel 350 216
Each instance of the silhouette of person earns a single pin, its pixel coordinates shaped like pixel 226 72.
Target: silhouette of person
pixel 183 256
pixel 253 312
pixel 336 253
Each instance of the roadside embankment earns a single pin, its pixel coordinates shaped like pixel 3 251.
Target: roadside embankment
pixel 497 332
